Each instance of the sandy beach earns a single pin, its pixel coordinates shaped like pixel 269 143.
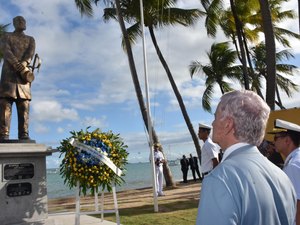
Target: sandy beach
pixel 132 198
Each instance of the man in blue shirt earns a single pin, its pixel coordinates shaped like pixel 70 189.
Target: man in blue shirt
pixel 245 188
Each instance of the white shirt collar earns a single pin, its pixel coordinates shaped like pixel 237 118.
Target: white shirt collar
pixel 232 148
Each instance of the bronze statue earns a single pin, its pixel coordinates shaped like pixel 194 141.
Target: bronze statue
pixel 15 85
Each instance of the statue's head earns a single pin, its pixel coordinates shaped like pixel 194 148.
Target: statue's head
pixel 19 23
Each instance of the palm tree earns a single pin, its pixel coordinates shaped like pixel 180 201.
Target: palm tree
pixel 157 14
pixel 250 13
pixel 220 66
pixel 283 70
pixel 215 12
pixel 246 13
pixel 85 8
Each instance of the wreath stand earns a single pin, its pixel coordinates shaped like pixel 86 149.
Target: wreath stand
pixel 96 202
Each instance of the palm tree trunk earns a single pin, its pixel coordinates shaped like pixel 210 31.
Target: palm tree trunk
pixel 299 14
pixel 177 93
pixel 167 172
pixel 252 74
pixel 270 52
pixel 168 175
pixel 240 40
pixel 278 102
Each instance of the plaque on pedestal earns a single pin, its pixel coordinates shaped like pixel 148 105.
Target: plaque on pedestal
pixel 23 190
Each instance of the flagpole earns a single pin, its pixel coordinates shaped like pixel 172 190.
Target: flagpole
pixel 149 122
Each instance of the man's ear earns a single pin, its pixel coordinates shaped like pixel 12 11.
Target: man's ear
pixel 228 125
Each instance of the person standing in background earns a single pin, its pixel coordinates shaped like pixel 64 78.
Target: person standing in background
pixel 209 151
pixel 245 188
pixel 193 161
pixel 274 156
pixel 159 161
pixel 287 141
pixel 184 168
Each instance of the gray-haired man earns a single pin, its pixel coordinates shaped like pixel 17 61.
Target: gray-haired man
pixel 245 188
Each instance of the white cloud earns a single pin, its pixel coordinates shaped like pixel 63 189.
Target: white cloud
pixel 94 122
pixel 52 111
pixel 60 130
pixel 40 128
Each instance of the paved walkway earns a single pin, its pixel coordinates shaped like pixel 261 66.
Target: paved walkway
pixel 69 219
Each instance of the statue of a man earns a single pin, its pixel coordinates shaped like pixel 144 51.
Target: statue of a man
pixel 15 85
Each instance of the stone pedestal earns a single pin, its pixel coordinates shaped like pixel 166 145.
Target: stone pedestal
pixel 23 190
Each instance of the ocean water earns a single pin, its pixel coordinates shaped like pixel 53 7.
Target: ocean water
pixel 138 175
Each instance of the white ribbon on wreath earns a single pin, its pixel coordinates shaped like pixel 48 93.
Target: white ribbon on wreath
pixel 99 155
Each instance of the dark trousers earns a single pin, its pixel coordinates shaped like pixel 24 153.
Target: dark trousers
pixel 194 175
pixel 184 173
pixel 194 171
pixel 198 172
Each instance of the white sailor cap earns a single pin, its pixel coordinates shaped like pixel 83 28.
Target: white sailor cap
pixel 204 126
pixel 284 126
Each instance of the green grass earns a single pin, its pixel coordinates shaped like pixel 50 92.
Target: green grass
pixel 178 207
pixel 171 213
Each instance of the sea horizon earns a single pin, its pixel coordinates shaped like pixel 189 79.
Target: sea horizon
pixel 137 175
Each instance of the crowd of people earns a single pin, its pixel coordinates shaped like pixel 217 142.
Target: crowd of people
pixel 248 187
pixel 245 180
pixel 210 153
pixel 192 164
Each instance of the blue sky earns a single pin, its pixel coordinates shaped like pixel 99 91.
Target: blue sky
pixel 85 80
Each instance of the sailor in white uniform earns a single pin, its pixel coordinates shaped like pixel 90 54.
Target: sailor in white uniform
pixel 287 141
pixel 159 160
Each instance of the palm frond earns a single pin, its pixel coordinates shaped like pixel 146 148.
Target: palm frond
pixel 195 67
pixel 286 85
pixel 207 97
pixel 287 69
pixel 283 55
pixel 185 17
pixel 281 33
pixel 134 32
pixel 225 86
pixel 84 7
pixel 109 13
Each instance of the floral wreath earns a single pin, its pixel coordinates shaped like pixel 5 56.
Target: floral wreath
pixel 89 171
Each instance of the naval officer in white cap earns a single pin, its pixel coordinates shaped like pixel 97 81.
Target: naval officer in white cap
pixel 209 151
pixel 287 141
